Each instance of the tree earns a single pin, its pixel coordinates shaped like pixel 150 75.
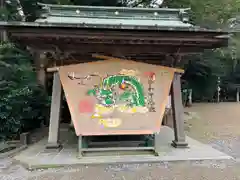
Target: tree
pixel 11 10
pixel 208 13
pixel 23 103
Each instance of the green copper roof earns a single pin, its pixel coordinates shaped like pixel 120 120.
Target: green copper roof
pixel 120 17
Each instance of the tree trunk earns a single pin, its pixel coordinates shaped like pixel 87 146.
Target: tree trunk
pixel 3 34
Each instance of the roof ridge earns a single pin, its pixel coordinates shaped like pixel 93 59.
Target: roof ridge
pixel 124 13
pixel 114 8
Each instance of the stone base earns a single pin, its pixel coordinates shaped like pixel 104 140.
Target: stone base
pixel 24 138
pixel 36 156
pixel 53 146
pixel 179 144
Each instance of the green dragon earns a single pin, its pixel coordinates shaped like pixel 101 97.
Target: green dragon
pixel 105 94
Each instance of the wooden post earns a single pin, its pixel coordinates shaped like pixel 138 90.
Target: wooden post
pixel 190 97
pixel 40 62
pixel 178 112
pixel 80 146
pixel 237 95
pixel 53 135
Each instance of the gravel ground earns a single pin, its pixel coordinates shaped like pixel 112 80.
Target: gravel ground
pixel 214 124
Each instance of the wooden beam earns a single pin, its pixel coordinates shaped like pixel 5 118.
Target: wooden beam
pixel 115 41
pixel 121 38
pixel 119 59
pixel 107 32
pixel 56 69
pixel 53 69
pixel 125 49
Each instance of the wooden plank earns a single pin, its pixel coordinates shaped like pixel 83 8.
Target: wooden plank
pixel 111 143
pixel 116 144
pixel 116 149
pixel 89 115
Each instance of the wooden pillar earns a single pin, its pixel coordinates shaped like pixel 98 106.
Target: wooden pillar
pixel 237 94
pixel 178 112
pixel 55 114
pixel 40 62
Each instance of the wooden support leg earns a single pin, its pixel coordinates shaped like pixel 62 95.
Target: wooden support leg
pixel 164 121
pixel 53 135
pixel 80 146
pixel 237 95
pixel 178 112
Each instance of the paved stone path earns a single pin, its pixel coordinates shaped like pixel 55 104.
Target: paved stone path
pixel 215 124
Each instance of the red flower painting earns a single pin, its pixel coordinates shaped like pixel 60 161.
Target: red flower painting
pixel 86 106
pixel 150 75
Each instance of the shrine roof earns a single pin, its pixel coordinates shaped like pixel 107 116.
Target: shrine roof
pixel 114 17
pixel 112 29
pixel 118 18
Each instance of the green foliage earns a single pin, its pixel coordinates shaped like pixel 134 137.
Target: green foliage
pixel 23 103
pixel 10 11
pixel 208 13
pixel 203 69
pixel 232 80
pixel 30 9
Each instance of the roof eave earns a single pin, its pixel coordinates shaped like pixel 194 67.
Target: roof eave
pixel 18 24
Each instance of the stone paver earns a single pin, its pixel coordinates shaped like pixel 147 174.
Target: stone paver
pixel 181 170
pixel 218 125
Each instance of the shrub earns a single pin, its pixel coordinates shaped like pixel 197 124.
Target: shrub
pixel 23 103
